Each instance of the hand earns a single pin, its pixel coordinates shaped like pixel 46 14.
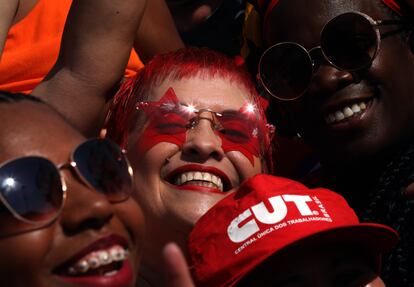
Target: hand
pixel 176 272
pixel 376 283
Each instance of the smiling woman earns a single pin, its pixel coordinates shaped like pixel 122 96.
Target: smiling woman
pixel 62 222
pixel 352 101
pixel 194 129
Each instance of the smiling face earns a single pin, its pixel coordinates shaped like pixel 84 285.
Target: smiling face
pixel 178 182
pixel 348 116
pixel 89 227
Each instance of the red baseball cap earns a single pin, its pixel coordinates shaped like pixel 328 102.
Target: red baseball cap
pixel 268 214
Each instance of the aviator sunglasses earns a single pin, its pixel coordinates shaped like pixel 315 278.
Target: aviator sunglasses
pixel 349 42
pixel 33 190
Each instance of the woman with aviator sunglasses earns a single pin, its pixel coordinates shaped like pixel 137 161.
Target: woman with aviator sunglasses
pixel 350 98
pixel 66 218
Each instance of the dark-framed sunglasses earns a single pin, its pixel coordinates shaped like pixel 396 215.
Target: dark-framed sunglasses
pixel 349 42
pixel 33 190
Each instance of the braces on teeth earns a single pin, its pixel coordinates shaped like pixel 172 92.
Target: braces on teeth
pixel 97 259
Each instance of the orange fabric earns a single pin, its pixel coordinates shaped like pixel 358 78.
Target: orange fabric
pixel 33 44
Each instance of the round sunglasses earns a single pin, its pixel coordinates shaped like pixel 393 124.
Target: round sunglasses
pixel 349 42
pixel 33 190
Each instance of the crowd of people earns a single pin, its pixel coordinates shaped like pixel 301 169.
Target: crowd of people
pixel 207 143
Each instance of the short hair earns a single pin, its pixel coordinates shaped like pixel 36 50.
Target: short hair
pixel 182 64
pixel 186 63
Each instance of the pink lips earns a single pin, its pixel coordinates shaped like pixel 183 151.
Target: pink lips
pixel 124 276
pixel 201 168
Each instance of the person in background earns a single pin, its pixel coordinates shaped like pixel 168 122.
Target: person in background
pixel 231 27
pixel 344 82
pixel 31 32
pixel 276 232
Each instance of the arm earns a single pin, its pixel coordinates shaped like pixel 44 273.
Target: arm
pixel 8 9
pixel 95 48
pixel 157 32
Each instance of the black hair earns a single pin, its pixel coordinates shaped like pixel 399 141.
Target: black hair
pixel 8 97
pixel 389 205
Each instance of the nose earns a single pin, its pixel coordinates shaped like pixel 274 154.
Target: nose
pixel 202 142
pixel 329 79
pixel 85 208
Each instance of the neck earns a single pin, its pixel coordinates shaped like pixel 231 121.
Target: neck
pixel 358 178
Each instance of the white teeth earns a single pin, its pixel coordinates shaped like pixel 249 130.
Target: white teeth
pixel 117 254
pixel 362 106
pixel 339 116
pixel 183 178
pixel 346 112
pixel 99 258
pixel 200 178
pixel 82 266
pixel 104 257
pixel 355 108
pixel 94 262
pixel 206 176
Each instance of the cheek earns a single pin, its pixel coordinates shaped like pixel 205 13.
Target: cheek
pixel 244 166
pixel 130 216
pixel 24 258
pixel 395 88
pixel 149 162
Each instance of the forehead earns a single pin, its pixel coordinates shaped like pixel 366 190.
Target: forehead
pixel 302 20
pixel 215 93
pixel 34 129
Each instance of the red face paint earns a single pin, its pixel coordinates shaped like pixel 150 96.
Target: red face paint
pixel 169 121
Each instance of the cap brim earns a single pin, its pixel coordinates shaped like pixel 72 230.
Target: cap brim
pixel 372 237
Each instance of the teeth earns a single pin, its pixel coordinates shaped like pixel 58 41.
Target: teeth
pixel 104 257
pixel 207 177
pixel 94 262
pixel 339 116
pixel 362 106
pixel 200 178
pixel 82 266
pixel 346 112
pixel 355 108
pixel 99 258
